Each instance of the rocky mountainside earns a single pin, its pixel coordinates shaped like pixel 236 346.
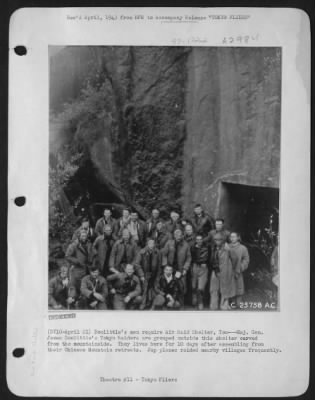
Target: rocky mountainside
pixel 165 125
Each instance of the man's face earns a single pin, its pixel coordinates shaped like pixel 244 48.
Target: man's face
pixel 234 237
pixel 83 237
pixel 125 234
pixel 159 226
pixel 107 213
pixel 134 217
pixel 155 214
pixel 199 240
pixel 85 225
pixel 218 241
pixel 107 230
pixel 219 225
pixel 129 269
pixel 125 214
pixel 174 216
pixel 198 210
pixel 188 230
pixel 178 235
pixel 168 270
pixel 95 274
pixel 151 244
pixel 63 272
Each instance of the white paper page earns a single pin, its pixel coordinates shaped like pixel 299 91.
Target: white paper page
pixel 220 97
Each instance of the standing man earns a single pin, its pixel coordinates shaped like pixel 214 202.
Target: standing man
pixel 177 254
pixel 79 255
pixel 200 253
pixel 190 236
pixel 161 235
pixel 148 268
pixel 94 290
pixel 102 248
pixel 123 252
pixel 152 222
pixel 203 223
pixel 222 281
pixel 137 229
pixel 126 288
pixel 168 291
pixel 174 222
pixel 59 292
pixel 122 223
pixel 219 228
pixel 240 260
pixel 85 226
pixel 107 219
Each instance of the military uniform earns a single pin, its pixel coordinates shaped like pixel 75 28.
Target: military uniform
pixel 203 224
pixel 122 253
pixel 177 254
pixel 59 291
pixel 79 255
pixel 102 222
pixel 89 232
pixel 200 272
pixel 102 248
pixel 161 238
pixel 165 286
pixel 148 266
pixel 222 280
pixel 89 286
pixel 225 234
pixel 124 286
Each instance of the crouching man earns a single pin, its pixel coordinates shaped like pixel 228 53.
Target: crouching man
pixel 60 294
pixel 94 290
pixel 126 288
pixel 168 289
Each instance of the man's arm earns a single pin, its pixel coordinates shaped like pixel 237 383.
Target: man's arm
pixel 70 254
pixel 112 258
pixel 187 263
pixel 86 292
pixel 137 290
pixel 94 250
pixel 164 253
pixel 245 259
pixel 104 291
pixel 137 264
pixel 99 227
pixel 157 286
pixel 113 277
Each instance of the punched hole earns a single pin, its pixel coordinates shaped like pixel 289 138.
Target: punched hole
pixel 20 50
pixel 18 352
pixel 20 201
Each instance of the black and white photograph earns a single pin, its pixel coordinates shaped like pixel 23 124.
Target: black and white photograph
pixel 167 177
pixel 164 166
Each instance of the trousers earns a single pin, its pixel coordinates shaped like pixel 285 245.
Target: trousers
pixel 160 301
pixel 119 302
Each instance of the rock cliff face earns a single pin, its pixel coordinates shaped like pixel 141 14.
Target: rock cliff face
pixel 177 121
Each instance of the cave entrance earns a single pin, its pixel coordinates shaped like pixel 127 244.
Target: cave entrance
pixel 254 212
pixel 251 210
pixel 88 193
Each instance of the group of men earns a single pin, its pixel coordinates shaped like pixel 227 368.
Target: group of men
pixel 131 264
